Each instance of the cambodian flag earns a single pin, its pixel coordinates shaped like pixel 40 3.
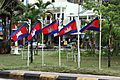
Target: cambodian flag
pixel 20 33
pixel 35 30
pixel 51 28
pixel 69 28
pixel 93 25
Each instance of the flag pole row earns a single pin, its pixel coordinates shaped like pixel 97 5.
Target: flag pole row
pixel 51 29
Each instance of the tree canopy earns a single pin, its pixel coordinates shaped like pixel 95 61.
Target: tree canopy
pixel 110 11
pixel 31 11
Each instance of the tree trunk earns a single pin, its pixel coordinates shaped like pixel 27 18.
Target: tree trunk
pixel 109 46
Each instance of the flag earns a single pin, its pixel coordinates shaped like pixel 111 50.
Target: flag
pixel 69 28
pixel 51 28
pixel 20 33
pixel 93 25
pixel 35 30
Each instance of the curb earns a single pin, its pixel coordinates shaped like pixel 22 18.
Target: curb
pixel 4 74
pixel 21 75
pixel 17 75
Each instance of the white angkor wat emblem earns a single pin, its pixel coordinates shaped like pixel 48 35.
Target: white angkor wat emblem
pixel 19 33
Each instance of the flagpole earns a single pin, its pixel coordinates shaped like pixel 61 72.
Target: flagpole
pixel 100 40
pixel 59 52
pixel 42 24
pixel 29 23
pixel 60 24
pixel 28 55
pixel 78 36
pixel 78 51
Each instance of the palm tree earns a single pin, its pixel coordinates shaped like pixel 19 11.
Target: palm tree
pixel 35 10
pixel 6 11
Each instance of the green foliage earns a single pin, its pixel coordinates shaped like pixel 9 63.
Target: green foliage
pixel 110 11
pixel 31 11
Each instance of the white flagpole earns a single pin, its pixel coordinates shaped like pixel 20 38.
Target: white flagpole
pixel 78 25
pixel 28 55
pixel 100 40
pixel 60 25
pixel 59 52
pixel 78 50
pixel 42 24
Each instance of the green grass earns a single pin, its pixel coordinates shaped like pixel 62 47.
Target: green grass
pixel 89 64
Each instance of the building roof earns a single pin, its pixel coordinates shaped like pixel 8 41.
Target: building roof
pixel 71 9
pixel 87 13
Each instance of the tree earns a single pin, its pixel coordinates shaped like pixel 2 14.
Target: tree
pixel 110 13
pixel 6 11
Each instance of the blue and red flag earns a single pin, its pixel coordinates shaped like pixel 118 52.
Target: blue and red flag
pixel 20 33
pixel 51 28
pixel 93 25
pixel 69 28
pixel 35 30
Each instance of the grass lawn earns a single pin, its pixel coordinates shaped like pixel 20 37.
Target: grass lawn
pixel 89 64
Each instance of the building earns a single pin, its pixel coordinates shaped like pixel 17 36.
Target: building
pixel 69 11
